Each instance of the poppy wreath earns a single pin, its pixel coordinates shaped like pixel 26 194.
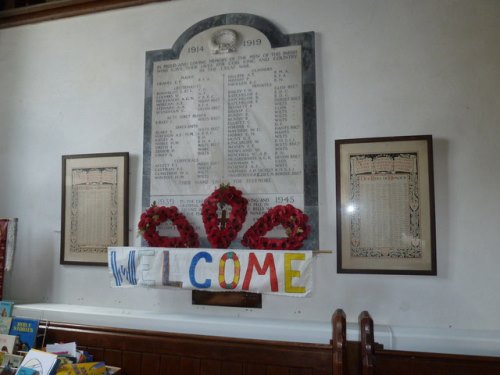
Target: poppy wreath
pixel 154 216
pixel 291 218
pixel 221 232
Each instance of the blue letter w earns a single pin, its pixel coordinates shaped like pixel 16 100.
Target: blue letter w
pixel 120 271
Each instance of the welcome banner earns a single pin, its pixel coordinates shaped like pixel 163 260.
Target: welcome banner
pixel 278 272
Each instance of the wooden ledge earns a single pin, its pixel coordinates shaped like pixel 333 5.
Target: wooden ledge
pixel 60 9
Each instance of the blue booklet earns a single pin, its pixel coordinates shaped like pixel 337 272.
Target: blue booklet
pixel 6 308
pixel 27 371
pixel 26 329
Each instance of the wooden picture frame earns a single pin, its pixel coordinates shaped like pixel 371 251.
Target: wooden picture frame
pixel 94 213
pixel 385 205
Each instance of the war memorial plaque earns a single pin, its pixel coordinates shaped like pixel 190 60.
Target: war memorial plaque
pixel 232 102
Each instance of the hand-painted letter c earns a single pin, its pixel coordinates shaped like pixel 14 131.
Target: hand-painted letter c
pixel 192 268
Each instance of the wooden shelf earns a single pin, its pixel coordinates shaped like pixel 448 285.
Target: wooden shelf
pixel 15 12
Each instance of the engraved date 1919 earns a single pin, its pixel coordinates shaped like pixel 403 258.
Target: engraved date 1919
pixel 251 42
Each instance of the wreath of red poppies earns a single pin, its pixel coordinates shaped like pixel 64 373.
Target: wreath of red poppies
pixel 291 218
pixel 222 231
pixel 155 215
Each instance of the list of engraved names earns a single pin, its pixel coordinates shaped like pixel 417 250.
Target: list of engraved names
pixel 228 118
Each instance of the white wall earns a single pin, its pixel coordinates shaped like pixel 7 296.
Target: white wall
pixel 384 68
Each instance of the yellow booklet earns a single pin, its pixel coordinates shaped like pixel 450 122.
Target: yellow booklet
pixel 86 368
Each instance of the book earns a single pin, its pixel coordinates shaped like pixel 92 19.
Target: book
pixel 87 368
pixel 6 308
pixel 62 348
pixel 27 371
pixel 8 343
pixel 65 359
pixel 5 322
pixel 8 371
pixel 43 362
pixel 11 360
pixel 26 329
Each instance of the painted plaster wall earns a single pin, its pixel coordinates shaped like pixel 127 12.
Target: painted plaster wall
pixel 384 68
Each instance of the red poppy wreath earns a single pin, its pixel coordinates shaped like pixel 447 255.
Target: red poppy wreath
pixel 221 231
pixel 292 219
pixel 155 215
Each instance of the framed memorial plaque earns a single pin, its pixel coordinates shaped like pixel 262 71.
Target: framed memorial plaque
pixel 385 206
pixel 94 207
pixel 232 102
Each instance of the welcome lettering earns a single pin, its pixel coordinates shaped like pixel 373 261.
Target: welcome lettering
pixel 270 272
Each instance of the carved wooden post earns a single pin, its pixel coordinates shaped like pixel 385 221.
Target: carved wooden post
pixel 339 343
pixel 367 342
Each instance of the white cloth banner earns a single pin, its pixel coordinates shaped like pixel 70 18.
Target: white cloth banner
pixel 278 272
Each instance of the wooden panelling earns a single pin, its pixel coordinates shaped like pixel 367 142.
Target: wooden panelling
pixel 150 363
pixel 151 353
pixel 255 369
pixel 353 358
pixel 392 362
pixel 190 366
pixel 376 360
pixel 275 370
pixel 146 352
pixel 231 368
pixel 170 365
pixel 299 371
pixel 131 362
pixel 113 357
pixel 210 367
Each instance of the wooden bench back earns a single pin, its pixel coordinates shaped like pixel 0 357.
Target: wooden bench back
pixel 376 360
